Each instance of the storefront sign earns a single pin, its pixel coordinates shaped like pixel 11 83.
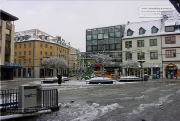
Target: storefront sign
pixel 12 64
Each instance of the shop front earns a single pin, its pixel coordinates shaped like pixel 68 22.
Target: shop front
pixel 171 71
pixel 7 70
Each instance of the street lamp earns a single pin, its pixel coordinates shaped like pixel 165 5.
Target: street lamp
pixel 141 61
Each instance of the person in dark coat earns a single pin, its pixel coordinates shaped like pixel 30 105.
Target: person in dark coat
pixel 59 79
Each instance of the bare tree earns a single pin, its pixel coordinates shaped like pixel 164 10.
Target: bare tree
pixel 102 59
pixel 54 62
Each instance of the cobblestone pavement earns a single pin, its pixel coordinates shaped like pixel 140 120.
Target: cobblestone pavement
pixel 153 100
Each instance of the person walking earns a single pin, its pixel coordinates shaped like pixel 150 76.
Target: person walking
pixel 59 79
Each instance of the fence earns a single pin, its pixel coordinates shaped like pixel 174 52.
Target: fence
pixel 9 100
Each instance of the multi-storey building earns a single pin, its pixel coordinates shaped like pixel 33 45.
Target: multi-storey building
pixel 171 44
pixel 72 60
pixel 145 37
pixel 7 46
pixel 32 46
pixel 106 40
pixel 159 40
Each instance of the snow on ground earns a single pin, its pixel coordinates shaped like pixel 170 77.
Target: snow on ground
pixel 151 90
pixel 85 112
pixel 158 103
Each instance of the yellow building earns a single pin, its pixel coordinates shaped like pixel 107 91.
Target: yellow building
pixel 7 46
pixel 32 46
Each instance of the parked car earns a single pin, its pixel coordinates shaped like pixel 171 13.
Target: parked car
pixel 65 78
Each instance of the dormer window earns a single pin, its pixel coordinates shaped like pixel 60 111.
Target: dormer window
pixel 154 29
pixel 26 37
pixel 141 31
pixel 22 38
pixel 129 32
pixel 169 28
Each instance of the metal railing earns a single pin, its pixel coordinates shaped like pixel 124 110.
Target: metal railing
pixel 9 100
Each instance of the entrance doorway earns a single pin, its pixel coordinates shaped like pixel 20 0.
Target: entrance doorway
pixel 171 71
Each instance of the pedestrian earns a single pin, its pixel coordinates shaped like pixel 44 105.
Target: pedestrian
pixel 59 79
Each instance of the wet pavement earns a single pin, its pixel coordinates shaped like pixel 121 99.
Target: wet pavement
pixel 153 100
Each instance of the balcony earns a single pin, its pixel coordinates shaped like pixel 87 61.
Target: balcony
pixel 8 38
pixel 8 26
pixel 7 51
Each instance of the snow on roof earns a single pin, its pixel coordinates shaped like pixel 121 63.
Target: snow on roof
pixel 147 25
pixel 171 22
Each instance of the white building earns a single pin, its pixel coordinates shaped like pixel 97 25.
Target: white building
pixel 145 37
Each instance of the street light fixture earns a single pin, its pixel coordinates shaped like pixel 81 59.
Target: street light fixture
pixel 141 61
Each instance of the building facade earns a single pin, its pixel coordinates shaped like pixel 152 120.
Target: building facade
pixel 7 27
pixel 171 44
pixel 106 40
pixel 72 60
pixel 31 47
pixel 143 37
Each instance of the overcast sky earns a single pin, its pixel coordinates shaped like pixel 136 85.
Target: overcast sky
pixel 70 19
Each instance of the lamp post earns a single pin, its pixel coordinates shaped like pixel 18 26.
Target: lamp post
pixel 141 61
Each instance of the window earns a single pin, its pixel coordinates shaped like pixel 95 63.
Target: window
pixel 141 31
pixel 50 53
pixel 111 35
pixel 154 29
pixel 141 57
pixel 128 55
pixel 94 47
pixel 15 46
pixel 19 45
pixel 29 52
pixel 14 60
pixel 19 53
pixel 94 37
pixel 29 60
pixel 46 46
pixel 24 61
pixel 41 53
pixel 29 44
pixel 111 29
pixel 153 55
pixel 21 38
pixel 24 45
pixel 100 36
pixel 20 61
pixel 170 53
pixel 24 52
pixel 129 32
pixel 118 46
pixel 170 40
pixel 112 46
pixel 88 48
pixel 153 42
pixel 117 34
pixel 169 28
pixel 89 37
pixel 106 36
pixel 15 54
pixel 50 46
pixel 99 31
pixel 128 44
pixel 46 54
pixel 26 37
pixel 94 31
pixel 41 45
pixel 140 43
